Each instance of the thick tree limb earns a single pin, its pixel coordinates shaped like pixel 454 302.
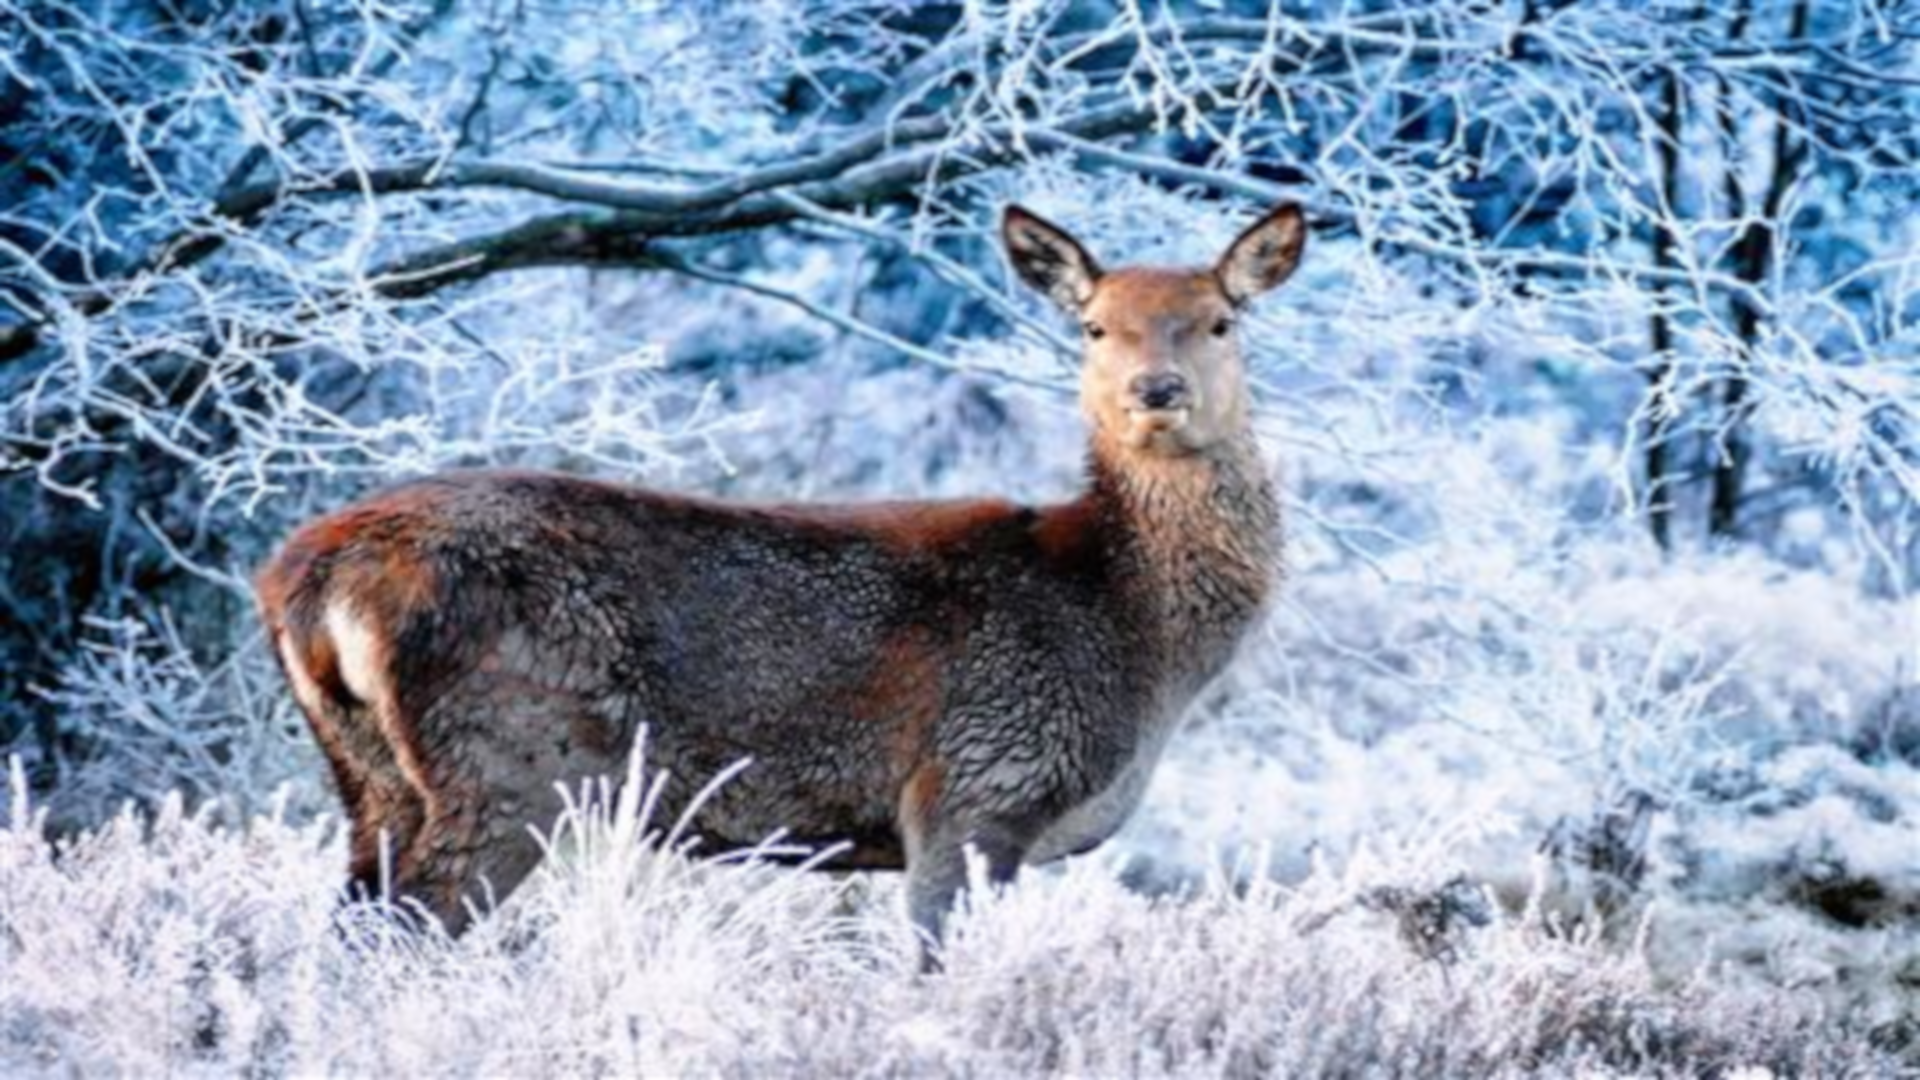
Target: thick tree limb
pixel 610 220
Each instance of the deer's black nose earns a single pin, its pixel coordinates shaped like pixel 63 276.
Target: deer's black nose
pixel 1160 391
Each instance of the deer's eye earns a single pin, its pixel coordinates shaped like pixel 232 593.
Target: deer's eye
pixel 1095 331
pixel 1222 328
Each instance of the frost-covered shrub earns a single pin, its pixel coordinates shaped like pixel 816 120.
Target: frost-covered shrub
pixel 173 944
pixel 222 734
pixel 1801 868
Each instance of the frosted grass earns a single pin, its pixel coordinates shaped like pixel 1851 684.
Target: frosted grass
pixel 172 945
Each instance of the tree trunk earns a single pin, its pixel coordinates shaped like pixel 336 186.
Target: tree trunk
pixel 1659 427
pixel 1752 258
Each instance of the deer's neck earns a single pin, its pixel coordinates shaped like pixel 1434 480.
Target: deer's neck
pixel 1196 542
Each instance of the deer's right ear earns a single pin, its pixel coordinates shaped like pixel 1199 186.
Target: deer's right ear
pixel 1048 259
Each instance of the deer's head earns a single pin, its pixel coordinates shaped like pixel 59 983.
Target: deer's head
pixel 1161 370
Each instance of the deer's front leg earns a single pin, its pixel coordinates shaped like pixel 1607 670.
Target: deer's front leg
pixel 939 826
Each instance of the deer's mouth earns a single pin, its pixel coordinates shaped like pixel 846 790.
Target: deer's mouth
pixel 1156 420
pixel 1158 429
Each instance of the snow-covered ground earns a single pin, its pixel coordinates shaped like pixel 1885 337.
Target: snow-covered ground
pixel 174 946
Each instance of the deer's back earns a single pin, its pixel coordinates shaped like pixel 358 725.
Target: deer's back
pixel 837 647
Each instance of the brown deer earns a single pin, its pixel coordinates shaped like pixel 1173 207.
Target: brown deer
pixel 907 678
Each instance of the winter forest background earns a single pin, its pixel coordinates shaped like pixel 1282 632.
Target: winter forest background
pixel 1587 733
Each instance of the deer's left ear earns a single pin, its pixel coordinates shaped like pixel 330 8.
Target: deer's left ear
pixel 1265 255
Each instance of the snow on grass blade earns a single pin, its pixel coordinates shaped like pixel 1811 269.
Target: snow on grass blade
pixel 166 943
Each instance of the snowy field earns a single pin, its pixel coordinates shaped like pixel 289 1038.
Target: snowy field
pixel 177 947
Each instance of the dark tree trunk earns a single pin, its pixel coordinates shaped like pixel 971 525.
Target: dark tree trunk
pixel 1752 258
pixel 1660 421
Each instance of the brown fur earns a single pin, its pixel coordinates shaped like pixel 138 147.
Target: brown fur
pixel 909 678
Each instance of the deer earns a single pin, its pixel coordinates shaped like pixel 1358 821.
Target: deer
pixel 911 681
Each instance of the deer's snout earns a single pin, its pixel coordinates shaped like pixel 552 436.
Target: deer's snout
pixel 1161 390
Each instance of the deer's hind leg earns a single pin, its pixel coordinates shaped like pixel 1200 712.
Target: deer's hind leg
pixel 384 804
pixel 496 752
pixel 385 807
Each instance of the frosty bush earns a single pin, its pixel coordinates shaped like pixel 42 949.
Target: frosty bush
pixel 171 944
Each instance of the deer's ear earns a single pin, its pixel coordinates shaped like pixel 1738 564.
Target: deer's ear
pixel 1048 259
pixel 1265 255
